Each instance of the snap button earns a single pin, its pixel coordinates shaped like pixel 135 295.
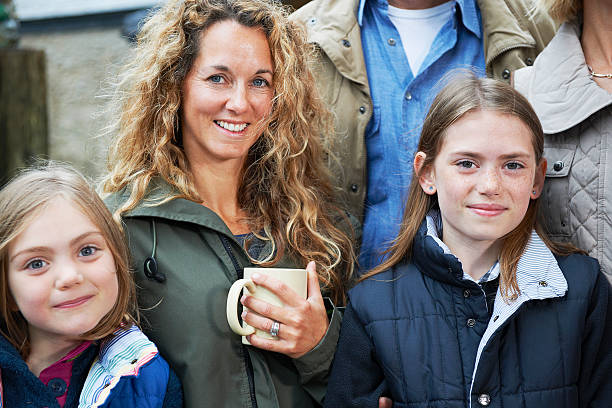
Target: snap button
pixel 543 283
pixel 506 73
pixel 346 43
pixel 558 166
pixel 495 318
pixel 391 41
pixel 408 96
pixel 57 386
pixel 362 109
pixel 471 322
pixel 484 399
pixel 354 188
pixel 312 21
pixel 467 293
pixel 529 61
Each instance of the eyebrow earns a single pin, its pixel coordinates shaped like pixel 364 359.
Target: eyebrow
pixel 46 249
pixel 226 69
pixel 506 156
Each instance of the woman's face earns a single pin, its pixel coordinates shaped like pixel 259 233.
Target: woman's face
pixel 485 175
pixel 228 89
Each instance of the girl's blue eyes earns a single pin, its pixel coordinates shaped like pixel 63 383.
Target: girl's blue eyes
pixel 88 251
pixel 466 164
pixel 514 166
pixel 36 264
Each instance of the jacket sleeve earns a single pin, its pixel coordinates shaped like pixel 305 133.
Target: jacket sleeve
pixel 314 366
pixel 356 380
pixel 174 392
pixel 595 384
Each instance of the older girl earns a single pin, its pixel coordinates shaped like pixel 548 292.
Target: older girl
pixel 69 334
pixel 475 305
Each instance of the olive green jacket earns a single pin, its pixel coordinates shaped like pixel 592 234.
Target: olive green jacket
pixel 511 41
pixel 184 306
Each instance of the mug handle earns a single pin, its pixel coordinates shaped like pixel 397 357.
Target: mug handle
pixel 232 306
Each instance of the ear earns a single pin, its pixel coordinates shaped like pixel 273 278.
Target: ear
pixel 540 177
pixel 426 175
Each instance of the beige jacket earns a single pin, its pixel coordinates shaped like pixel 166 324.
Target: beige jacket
pixel 576 115
pixel 511 41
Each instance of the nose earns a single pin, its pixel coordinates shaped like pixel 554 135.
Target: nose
pixel 68 275
pixel 490 183
pixel 238 99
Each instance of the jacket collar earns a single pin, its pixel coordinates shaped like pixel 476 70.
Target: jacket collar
pixel 560 90
pixel 121 355
pixel 155 204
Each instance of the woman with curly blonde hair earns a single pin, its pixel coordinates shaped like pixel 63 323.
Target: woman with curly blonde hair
pixel 217 164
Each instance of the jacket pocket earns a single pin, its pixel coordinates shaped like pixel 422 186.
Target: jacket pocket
pixel 554 203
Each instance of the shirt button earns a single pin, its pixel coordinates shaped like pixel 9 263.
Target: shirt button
pixel 543 283
pixel 346 43
pixel 484 399
pixel 467 293
pixel 354 188
pixel 391 41
pixel 558 166
pixel 408 96
pixel 506 73
pixel 362 109
pixel 57 386
pixel 471 322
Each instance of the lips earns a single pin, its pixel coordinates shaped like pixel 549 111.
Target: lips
pixel 73 302
pixel 487 210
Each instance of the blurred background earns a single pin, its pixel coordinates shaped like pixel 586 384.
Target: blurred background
pixel 56 58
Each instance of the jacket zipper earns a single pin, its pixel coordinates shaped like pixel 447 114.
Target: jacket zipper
pixel 245 353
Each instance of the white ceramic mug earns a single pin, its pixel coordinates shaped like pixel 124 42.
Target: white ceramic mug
pixel 296 279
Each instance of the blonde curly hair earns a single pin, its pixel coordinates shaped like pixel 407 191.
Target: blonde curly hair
pixel 285 189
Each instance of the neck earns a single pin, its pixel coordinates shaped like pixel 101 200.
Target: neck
pixel 415 4
pixel 217 184
pixel 596 39
pixel 476 257
pixel 44 352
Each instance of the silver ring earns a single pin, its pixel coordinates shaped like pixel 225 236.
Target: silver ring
pixel 274 329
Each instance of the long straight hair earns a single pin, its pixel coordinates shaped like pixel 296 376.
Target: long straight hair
pixel 21 201
pixel 466 93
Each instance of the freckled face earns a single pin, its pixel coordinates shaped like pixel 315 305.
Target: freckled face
pixel 61 273
pixel 228 89
pixel 485 175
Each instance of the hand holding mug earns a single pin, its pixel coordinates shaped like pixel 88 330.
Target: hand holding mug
pixel 302 321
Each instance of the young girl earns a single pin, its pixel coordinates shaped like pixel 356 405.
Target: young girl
pixel 474 306
pixel 69 334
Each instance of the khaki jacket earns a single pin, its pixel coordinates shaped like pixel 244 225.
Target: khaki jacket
pixel 511 41
pixel 576 116
pixel 184 309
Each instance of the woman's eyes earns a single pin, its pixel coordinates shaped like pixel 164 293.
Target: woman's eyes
pixel 216 79
pixel 88 250
pixel 260 82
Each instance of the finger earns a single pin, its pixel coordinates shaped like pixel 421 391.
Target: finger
pixel 284 293
pixel 314 289
pixel 276 345
pixel 384 402
pixel 262 323
pixel 264 308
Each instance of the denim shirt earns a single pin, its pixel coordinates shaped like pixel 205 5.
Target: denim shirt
pixel 401 101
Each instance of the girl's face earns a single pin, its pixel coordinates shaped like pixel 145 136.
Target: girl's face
pixel 485 175
pixel 61 274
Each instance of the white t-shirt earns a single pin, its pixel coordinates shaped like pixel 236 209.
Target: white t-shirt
pixel 418 29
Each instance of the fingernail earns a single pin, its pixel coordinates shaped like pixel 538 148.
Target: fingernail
pixel 243 314
pixel 255 276
pixel 242 299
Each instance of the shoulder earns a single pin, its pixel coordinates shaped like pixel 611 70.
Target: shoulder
pixel 582 273
pixel 372 298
